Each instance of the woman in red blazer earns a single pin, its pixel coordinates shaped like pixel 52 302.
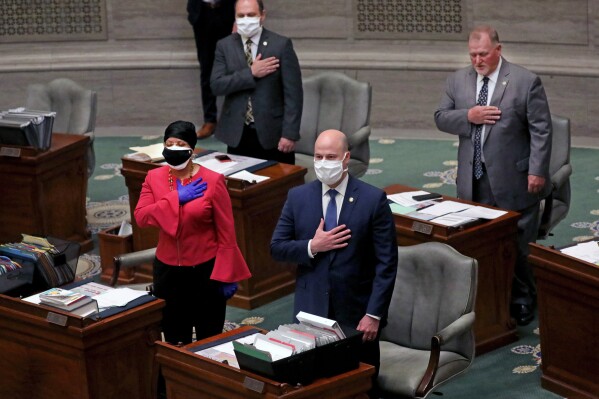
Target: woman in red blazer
pixel 198 262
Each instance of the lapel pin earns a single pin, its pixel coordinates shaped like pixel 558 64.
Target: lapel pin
pixel 504 82
pixel 351 199
pixel 265 43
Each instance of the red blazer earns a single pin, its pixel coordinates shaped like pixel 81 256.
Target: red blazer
pixel 196 232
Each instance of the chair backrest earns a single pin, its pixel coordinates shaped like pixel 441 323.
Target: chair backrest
pixel 435 285
pixel 555 207
pixel 333 100
pixel 75 106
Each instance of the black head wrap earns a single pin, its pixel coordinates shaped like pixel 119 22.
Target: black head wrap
pixel 182 130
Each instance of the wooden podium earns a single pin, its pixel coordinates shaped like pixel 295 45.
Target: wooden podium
pixel 493 244
pixel 256 210
pixel 50 354
pixel 568 305
pixel 189 375
pixel 44 193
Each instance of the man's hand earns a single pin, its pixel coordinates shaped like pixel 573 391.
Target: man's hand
pixel 484 115
pixel 261 68
pixel 286 145
pixel 535 184
pixel 369 326
pixel 327 240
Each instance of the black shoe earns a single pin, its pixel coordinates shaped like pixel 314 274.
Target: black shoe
pixel 523 314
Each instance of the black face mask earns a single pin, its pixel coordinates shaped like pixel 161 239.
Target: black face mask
pixel 176 157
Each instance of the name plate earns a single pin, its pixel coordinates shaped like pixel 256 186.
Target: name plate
pixel 58 319
pixel 422 228
pixel 10 152
pixel 253 384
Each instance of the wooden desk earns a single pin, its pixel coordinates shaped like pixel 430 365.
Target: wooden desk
pixel 188 375
pixel 493 244
pixel 256 210
pixel 84 359
pixel 568 306
pixel 43 193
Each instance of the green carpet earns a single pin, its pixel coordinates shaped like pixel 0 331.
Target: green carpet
pixel 511 372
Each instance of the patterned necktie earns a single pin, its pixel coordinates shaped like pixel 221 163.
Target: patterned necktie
pixel 330 218
pixel 482 100
pixel 249 113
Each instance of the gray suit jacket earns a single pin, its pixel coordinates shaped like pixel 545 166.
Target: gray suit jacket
pixel 519 143
pixel 277 99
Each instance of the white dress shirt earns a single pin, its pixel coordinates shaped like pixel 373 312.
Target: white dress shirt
pixel 490 89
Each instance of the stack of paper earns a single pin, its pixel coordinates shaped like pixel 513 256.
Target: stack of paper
pixel 25 127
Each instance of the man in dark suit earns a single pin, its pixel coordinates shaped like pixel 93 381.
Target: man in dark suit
pixel 211 21
pixel 258 73
pixel 346 269
pixel 500 113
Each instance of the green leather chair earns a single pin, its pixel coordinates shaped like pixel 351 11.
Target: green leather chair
pixel 429 337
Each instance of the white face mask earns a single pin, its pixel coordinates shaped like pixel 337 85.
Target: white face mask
pixel 248 26
pixel 329 171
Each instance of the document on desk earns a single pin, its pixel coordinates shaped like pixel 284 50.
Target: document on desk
pixel 249 177
pixel 228 163
pixel 154 151
pixel 481 212
pixel 445 207
pixel 117 297
pixel 224 353
pixel 586 251
pixel 405 199
pixel 452 220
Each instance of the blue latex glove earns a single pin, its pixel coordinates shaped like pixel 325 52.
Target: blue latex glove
pixel 228 289
pixel 190 192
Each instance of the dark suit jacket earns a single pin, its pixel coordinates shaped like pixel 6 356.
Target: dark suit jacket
pixel 359 278
pixel 519 143
pixel 277 99
pixel 194 9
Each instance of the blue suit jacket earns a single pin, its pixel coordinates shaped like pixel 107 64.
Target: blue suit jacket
pixel 357 279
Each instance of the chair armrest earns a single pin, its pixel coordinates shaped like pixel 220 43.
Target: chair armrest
pixel 457 328
pixel 358 137
pixel 561 175
pixel 130 260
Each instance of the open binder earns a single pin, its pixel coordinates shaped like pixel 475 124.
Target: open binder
pixel 23 127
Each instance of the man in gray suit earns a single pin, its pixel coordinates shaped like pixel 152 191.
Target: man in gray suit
pixel 258 73
pixel 500 113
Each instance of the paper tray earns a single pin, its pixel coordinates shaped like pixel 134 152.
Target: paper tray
pixel 324 361
pixel 17 278
pixel 341 356
pixel 296 369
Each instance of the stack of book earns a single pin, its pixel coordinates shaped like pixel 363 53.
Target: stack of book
pixel 71 301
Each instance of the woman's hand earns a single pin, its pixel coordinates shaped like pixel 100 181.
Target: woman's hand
pixel 228 289
pixel 190 192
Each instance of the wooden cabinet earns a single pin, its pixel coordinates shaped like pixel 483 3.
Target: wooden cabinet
pixel 256 210
pixel 52 354
pixel 493 244
pixel 568 306
pixel 43 193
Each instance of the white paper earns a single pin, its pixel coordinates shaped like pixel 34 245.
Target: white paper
pixel 405 198
pixel 445 207
pixel 481 212
pixel 117 297
pixel 249 177
pixel 225 351
pixel 154 151
pixel 586 251
pixel 125 229
pixel 452 219
pixel 218 166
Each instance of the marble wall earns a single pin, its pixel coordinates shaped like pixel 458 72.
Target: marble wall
pixel 146 73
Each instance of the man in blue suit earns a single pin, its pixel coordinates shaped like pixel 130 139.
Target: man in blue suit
pixel 347 272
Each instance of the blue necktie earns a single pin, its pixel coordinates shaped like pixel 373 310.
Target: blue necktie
pixel 478 163
pixel 330 218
